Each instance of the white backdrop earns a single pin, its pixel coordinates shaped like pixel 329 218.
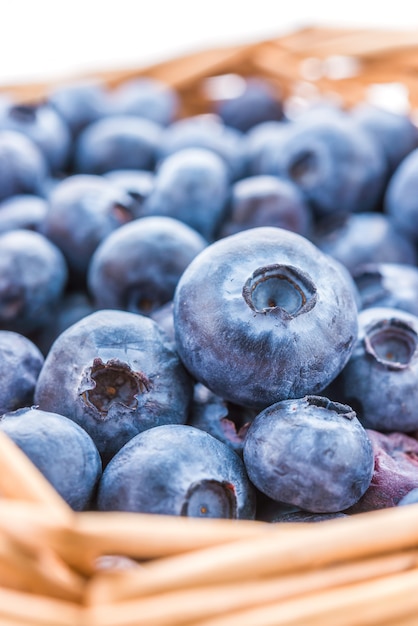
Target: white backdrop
pixel 54 38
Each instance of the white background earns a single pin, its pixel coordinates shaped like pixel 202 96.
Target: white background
pixel 48 39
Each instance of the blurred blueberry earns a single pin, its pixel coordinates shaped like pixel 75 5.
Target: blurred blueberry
pixel 267 201
pixel 45 127
pixel 206 131
pixel 137 267
pixel 393 285
pixel 20 364
pixel 177 470
pixel 116 374
pixel 117 142
pixel 23 168
pixel 79 103
pixel 22 211
pixel 263 316
pixel 311 453
pixel 33 276
pixel 380 380
pixel 338 166
pixel 396 133
pixel 145 97
pixel 410 498
pixel 164 318
pixel 249 101
pixel 192 186
pixel 83 210
pixel 395 471
pixel 137 183
pixel 362 238
pixel 261 138
pixel 401 199
pixel 62 451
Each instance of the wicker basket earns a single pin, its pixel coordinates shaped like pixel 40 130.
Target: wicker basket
pixel 60 568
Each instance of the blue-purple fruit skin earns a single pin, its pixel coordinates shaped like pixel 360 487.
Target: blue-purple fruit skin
pixel 266 201
pixel 337 166
pixel 380 380
pixel 33 277
pixel 400 201
pixel 83 210
pixel 79 103
pixel 138 184
pixel 384 243
pixel 311 453
pixel 177 470
pixel 23 166
pixel 117 142
pixel 191 185
pixel 20 364
pixel 393 285
pixel 395 471
pixel 116 374
pixel 22 211
pixel 260 139
pixel 137 267
pixel 263 316
pixel 62 451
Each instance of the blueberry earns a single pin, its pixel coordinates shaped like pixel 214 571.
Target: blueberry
pixel 177 470
pixel 208 132
pixel 145 97
pixel 116 374
pixel 164 318
pixel 22 211
pixel 62 451
pixel 311 453
pixel 253 101
pixel 192 186
pixel 400 201
pixel 395 471
pixel 138 184
pixel 380 380
pixel 33 276
pixel 393 285
pixel 23 168
pixel 266 201
pixel 45 127
pixel 20 364
pixel 410 498
pixel 79 103
pixel 260 139
pixel 338 167
pixel 83 209
pixel 384 243
pixel 117 142
pixel 263 316
pixel 137 267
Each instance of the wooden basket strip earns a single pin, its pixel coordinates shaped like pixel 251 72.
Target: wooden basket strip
pixel 188 605
pixel 21 480
pixel 278 552
pixel 38 610
pixel 368 603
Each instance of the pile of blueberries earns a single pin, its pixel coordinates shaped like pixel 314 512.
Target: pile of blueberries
pixel 212 315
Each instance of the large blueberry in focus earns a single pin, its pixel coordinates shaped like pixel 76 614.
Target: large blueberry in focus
pixel 145 97
pixel 338 166
pixel 191 185
pixel 177 470
pixel 20 364
pixel 116 374
pixel 83 210
pixel 393 285
pixel 117 142
pixel 266 201
pixel 23 167
pixel 263 316
pixel 62 451
pixel 33 277
pixel 137 267
pixel 311 453
pixel 380 380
